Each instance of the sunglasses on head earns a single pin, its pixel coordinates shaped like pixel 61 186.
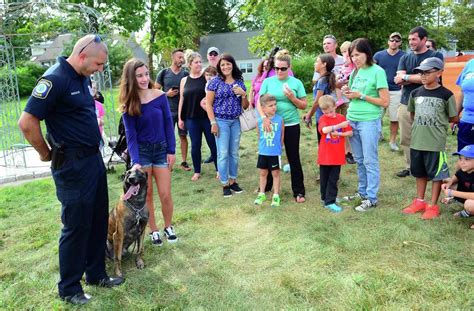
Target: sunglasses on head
pixel 281 68
pixel 394 40
pixel 213 54
pixel 96 39
pixel 329 37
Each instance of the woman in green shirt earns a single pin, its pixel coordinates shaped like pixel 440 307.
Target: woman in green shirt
pixel 368 92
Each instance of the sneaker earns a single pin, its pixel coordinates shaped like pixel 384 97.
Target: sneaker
pixel 170 234
pixel 334 208
pixel 235 187
pixel 185 166
pixel 156 238
pixel 260 199
pixel 354 197
pixel 431 211
pixel 394 147
pixel 404 173
pixel 226 191
pixel 365 205
pixel 275 200
pixel 350 158
pixel 416 206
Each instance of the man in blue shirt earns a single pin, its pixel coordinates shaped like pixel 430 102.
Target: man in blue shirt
pixel 388 59
pixel 63 98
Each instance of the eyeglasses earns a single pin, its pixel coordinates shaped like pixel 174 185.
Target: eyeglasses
pixel 422 73
pixel 394 40
pixel 213 54
pixel 96 39
pixel 281 68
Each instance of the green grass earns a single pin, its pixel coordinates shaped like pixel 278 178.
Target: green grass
pixel 232 255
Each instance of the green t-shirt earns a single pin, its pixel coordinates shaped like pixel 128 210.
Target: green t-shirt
pixel 432 109
pixel 285 108
pixel 367 81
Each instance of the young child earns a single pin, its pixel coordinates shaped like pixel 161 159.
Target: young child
pixel 326 85
pixel 432 107
pixel 269 149
pixel 209 73
pixel 333 128
pixel 464 179
pixel 342 77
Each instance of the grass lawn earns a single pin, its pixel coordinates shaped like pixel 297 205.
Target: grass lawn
pixel 232 255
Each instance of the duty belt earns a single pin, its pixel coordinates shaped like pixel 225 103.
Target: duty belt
pixel 81 152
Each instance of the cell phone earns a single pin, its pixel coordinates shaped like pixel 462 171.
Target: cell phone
pixel 175 87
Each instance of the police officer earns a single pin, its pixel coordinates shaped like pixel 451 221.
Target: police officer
pixel 62 98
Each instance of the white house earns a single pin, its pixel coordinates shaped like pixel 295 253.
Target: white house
pixel 236 44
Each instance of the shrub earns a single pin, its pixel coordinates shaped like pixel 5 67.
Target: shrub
pixel 303 68
pixel 27 74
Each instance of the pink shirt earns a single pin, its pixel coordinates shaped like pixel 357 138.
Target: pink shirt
pixel 100 112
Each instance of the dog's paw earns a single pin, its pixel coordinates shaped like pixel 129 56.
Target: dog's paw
pixel 140 263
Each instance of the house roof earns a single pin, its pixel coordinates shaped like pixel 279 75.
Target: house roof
pixel 235 43
pixel 55 49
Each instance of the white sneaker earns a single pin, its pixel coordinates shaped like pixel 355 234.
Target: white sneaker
pixel 170 234
pixel 365 205
pixel 394 147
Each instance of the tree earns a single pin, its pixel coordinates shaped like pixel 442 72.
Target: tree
pixel 463 23
pixel 212 16
pixel 300 25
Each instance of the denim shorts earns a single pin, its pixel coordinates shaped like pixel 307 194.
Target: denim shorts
pixel 153 155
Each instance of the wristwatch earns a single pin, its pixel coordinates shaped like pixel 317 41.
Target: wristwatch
pixel 406 77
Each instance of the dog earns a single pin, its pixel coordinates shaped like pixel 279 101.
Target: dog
pixel 128 220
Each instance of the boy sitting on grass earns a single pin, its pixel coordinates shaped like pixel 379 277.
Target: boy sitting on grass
pixel 333 128
pixel 464 179
pixel 432 107
pixel 269 149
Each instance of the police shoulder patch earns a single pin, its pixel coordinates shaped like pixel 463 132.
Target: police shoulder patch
pixel 42 88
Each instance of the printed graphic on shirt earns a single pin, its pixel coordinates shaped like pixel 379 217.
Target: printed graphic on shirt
pixel 269 136
pixel 42 89
pixel 427 109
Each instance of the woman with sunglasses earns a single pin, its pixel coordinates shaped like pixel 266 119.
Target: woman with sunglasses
pixel 368 92
pixel 225 99
pixel 291 96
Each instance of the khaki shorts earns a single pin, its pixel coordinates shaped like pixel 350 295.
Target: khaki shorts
pixel 405 123
pixel 392 108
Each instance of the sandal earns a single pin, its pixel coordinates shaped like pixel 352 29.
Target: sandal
pixel 300 198
pixel 196 176
pixel 472 227
pixel 185 166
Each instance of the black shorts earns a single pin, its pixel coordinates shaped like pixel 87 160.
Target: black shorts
pixel 180 131
pixel 268 162
pixel 430 164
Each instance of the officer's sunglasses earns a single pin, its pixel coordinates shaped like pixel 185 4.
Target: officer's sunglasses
pixel 96 39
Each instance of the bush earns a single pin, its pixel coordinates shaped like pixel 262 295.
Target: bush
pixel 303 68
pixel 27 74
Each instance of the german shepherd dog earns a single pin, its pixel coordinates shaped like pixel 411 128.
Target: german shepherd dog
pixel 127 222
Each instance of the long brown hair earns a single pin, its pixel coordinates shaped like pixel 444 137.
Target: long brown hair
pixel 128 93
pixel 330 63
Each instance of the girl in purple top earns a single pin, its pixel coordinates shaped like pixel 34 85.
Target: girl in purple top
pixel 257 81
pixel 151 143
pixel 225 99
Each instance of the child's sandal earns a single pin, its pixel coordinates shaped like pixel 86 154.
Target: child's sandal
pixel 300 198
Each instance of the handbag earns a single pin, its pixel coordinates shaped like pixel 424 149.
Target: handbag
pixel 248 119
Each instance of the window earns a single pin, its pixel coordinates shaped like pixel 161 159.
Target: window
pixel 246 67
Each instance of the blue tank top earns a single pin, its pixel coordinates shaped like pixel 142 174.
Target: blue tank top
pixel 269 143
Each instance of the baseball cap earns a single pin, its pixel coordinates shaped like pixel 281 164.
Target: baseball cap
pixel 467 151
pixel 213 49
pixel 395 34
pixel 430 63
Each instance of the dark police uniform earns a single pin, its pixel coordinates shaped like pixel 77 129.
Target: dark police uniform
pixel 63 99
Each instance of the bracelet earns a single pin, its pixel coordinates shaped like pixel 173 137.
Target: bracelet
pixel 213 122
pixel 333 128
pixel 362 96
pixel 450 193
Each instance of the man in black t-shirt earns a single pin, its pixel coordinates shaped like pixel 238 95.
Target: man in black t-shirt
pixel 409 81
pixel 169 79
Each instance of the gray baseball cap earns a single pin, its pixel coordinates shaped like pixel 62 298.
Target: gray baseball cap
pixel 213 49
pixel 430 63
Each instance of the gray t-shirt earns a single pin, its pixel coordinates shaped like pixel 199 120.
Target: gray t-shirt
pixel 168 79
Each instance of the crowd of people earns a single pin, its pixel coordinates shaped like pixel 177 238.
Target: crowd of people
pixel 350 96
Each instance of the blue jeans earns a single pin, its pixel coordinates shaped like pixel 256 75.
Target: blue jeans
pixel 364 143
pixel 228 143
pixel 197 127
